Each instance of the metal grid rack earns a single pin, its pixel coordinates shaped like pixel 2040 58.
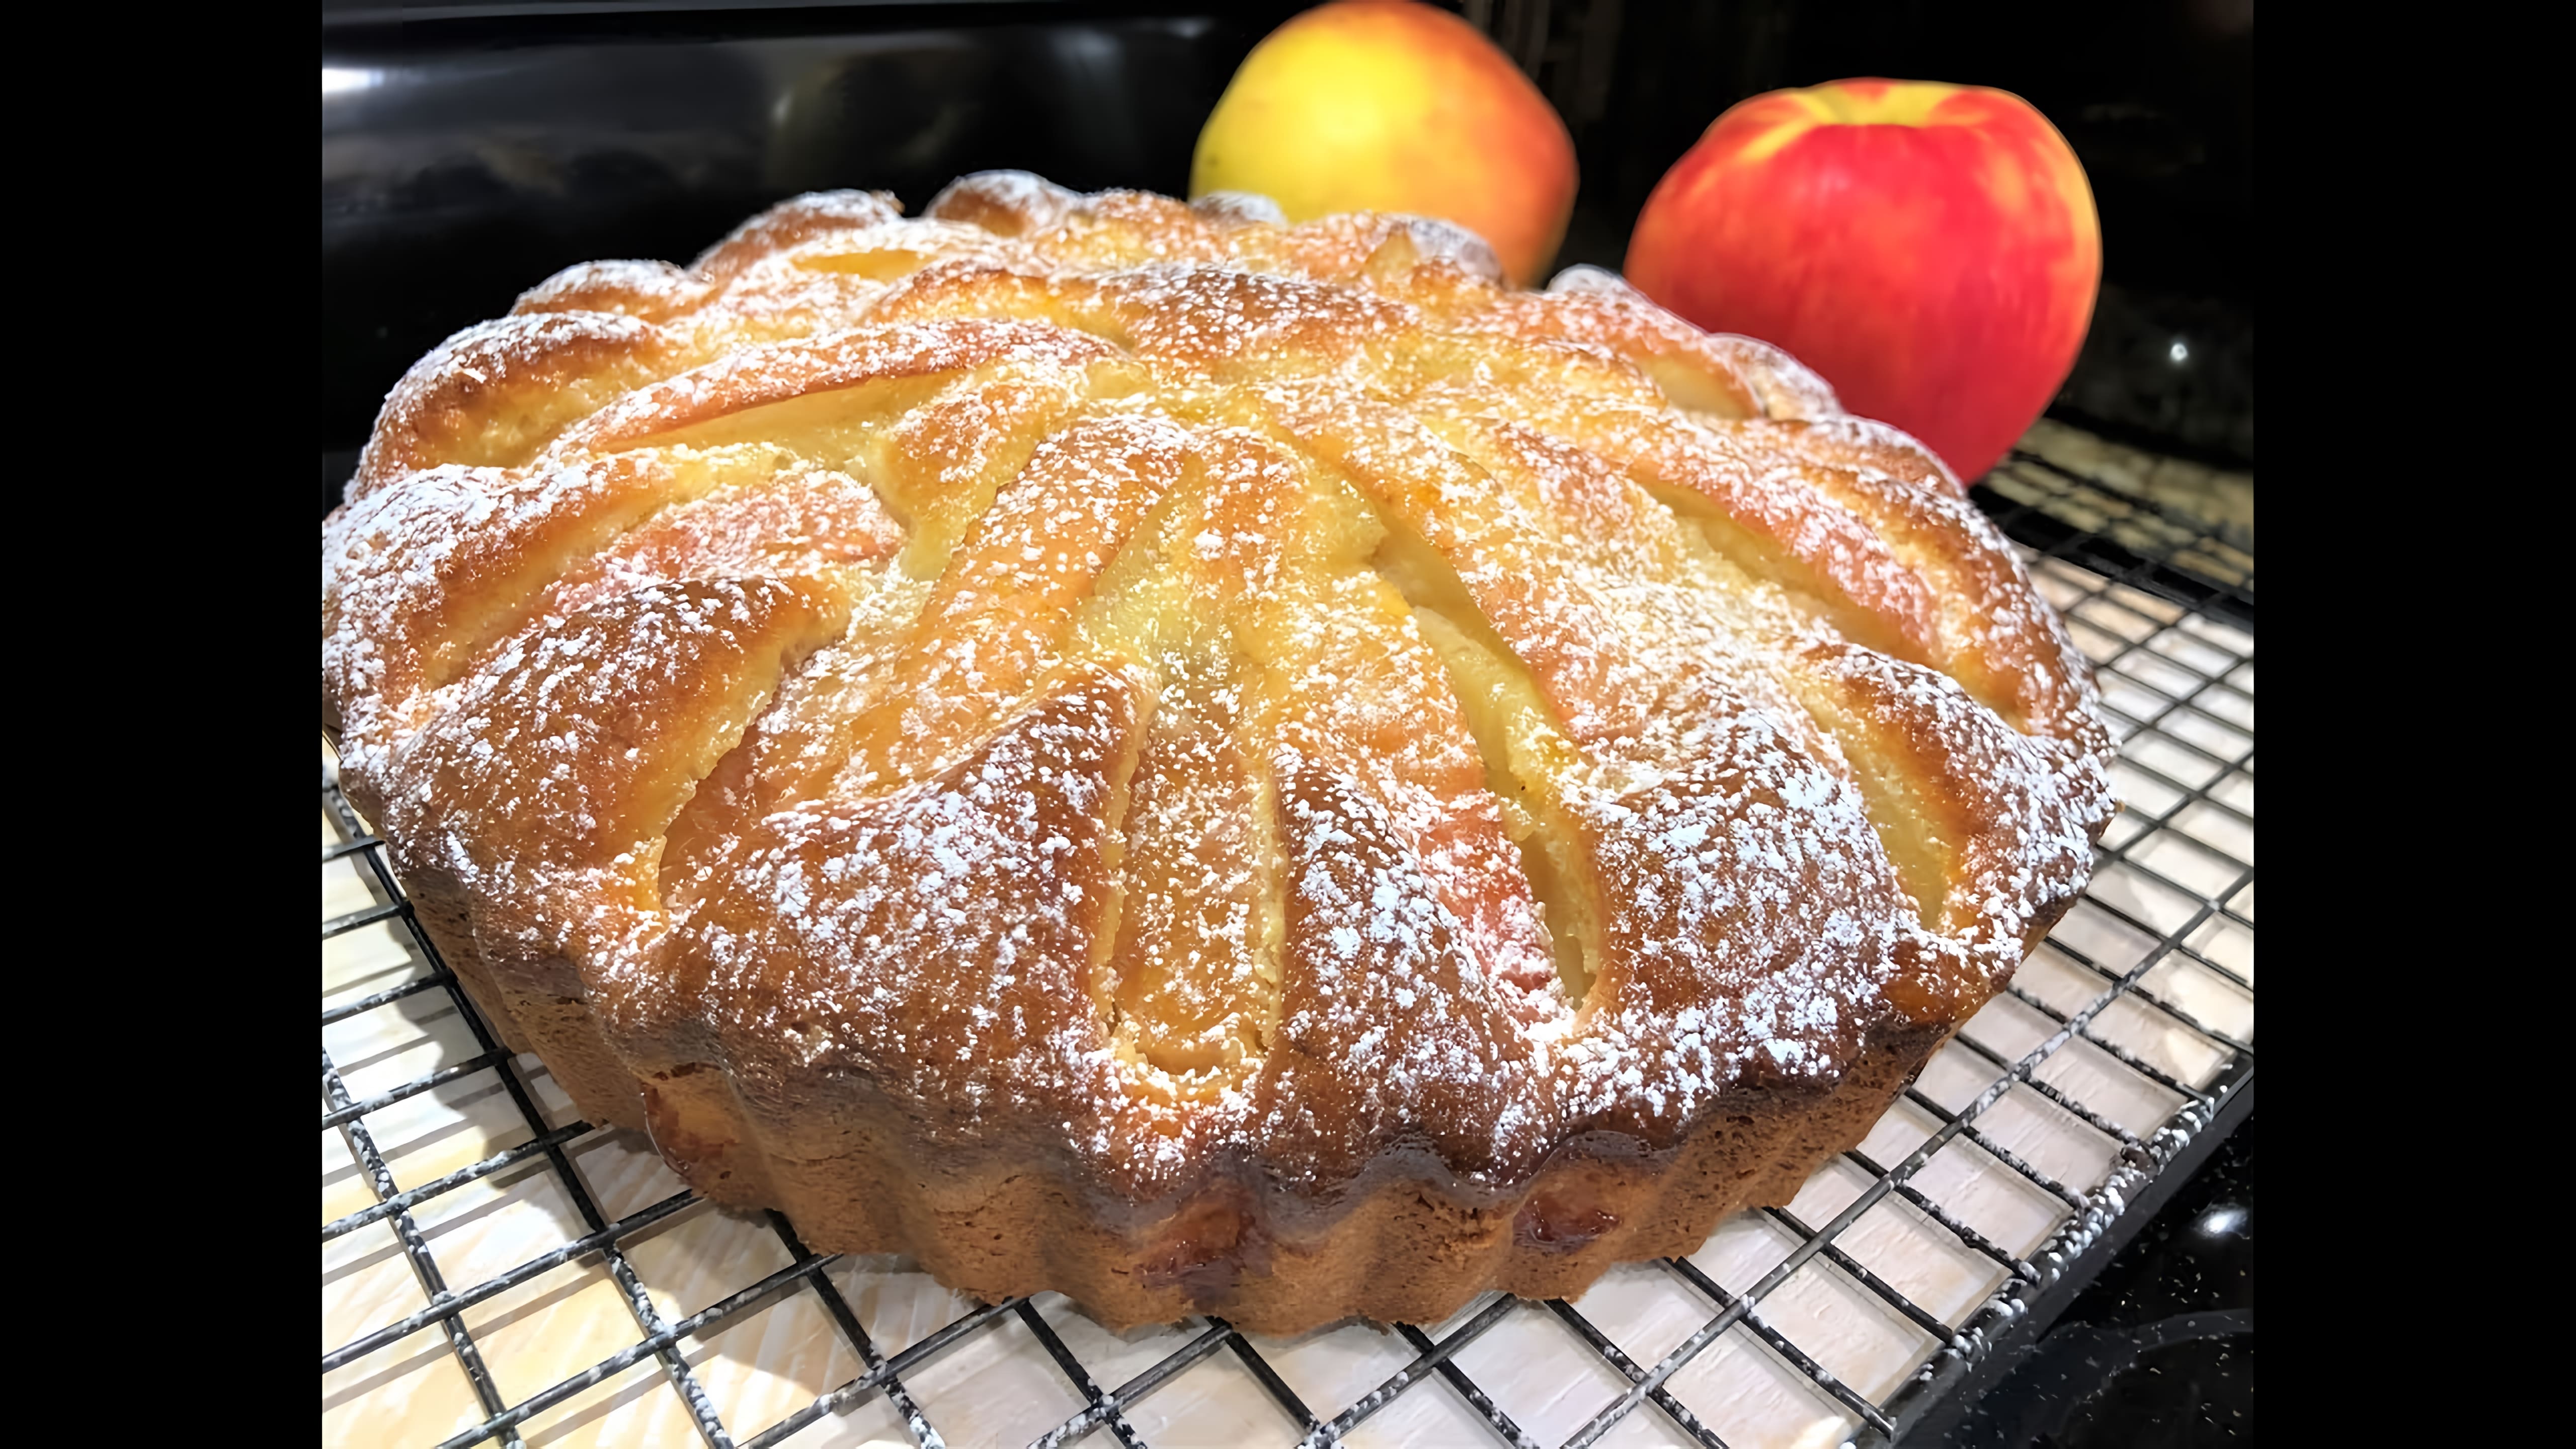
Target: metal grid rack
pixel 2129 1031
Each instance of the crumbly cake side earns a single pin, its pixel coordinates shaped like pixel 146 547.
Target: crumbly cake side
pixel 1208 765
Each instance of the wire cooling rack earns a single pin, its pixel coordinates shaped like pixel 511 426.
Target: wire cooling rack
pixel 497 1270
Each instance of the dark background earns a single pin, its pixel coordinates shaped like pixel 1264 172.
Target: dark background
pixel 492 143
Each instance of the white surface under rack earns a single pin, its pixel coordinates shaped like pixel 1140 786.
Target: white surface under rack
pixel 604 1305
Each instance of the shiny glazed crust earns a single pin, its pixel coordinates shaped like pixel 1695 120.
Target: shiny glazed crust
pixel 1207 765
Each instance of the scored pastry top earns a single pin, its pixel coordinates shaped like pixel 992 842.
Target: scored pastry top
pixel 1175 689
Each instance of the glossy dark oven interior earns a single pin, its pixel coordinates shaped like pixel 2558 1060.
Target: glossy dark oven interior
pixel 470 150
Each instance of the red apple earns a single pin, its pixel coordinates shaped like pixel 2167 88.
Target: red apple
pixel 1930 249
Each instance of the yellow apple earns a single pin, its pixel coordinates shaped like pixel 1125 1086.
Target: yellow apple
pixel 1387 105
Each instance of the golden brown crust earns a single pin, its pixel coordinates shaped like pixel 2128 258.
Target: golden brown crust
pixel 1213 766
pixel 493 394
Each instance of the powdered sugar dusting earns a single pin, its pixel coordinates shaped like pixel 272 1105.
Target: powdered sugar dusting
pixel 1280 696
